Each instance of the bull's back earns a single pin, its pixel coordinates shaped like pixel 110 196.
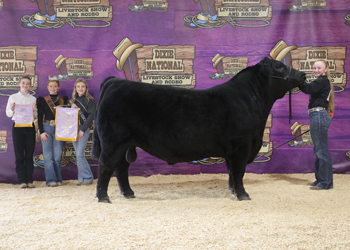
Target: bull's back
pixel 163 117
pixel 173 123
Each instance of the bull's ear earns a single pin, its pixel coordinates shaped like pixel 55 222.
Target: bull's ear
pixel 265 60
pixel 263 66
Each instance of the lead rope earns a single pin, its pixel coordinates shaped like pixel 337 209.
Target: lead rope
pixel 290 91
pixel 281 144
pixel 290 105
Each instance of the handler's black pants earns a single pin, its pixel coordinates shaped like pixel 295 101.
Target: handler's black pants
pixel 24 145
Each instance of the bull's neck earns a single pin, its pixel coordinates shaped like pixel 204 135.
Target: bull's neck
pixel 258 90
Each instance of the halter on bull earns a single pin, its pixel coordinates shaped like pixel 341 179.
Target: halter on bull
pixel 183 125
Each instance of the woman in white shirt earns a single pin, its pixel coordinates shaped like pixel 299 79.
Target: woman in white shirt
pixel 23 137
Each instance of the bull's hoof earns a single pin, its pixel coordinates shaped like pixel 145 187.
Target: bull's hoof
pixel 243 197
pixel 104 200
pixel 130 196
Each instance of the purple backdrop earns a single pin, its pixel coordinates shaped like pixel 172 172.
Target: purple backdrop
pixel 308 27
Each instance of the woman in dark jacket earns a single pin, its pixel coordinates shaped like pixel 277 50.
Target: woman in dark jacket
pixel 86 103
pixel 321 109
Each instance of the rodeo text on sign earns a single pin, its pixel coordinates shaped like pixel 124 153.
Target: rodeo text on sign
pixel 260 11
pixel 72 2
pixel 10 81
pixel 83 12
pixel 156 5
pixel 336 78
pixel 314 4
pixel 241 1
pixel 168 79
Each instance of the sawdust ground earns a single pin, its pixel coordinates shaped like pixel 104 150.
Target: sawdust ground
pixel 179 212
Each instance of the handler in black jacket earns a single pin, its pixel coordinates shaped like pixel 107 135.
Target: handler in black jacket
pixel 321 109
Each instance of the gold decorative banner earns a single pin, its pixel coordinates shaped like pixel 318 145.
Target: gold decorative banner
pixel 24 115
pixel 66 124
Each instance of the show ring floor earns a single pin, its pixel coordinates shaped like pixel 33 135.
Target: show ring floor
pixel 179 212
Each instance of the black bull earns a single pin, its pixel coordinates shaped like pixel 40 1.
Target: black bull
pixel 182 125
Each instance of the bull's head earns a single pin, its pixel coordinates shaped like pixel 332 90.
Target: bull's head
pixel 281 77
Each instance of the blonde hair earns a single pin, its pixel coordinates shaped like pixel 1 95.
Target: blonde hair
pixel 75 94
pixel 331 95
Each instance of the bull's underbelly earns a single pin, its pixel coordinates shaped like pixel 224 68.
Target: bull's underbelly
pixel 187 150
pixel 182 154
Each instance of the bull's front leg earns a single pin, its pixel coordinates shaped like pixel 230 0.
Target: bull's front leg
pixel 231 184
pixel 236 172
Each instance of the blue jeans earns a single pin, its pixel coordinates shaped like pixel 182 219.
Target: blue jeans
pixel 84 171
pixel 52 154
pixel 319 124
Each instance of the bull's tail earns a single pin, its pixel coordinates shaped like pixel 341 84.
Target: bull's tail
pixel 96 144
pixel 104 86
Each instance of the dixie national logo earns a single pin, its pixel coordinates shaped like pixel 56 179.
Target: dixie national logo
pixel 155 64
pixel 15 62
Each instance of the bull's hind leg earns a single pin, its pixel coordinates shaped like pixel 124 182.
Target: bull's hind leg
pixel 110 163
pixel 236 172
pixel 231 184
pixel 104 175
pixel 122 173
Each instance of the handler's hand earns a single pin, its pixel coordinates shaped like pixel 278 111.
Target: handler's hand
pixel 13 105
pixel 74 106
pixel 44 137
pixel 80 135
pixel 34 106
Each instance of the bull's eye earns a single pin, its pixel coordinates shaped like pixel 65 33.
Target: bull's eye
pixel 281 68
